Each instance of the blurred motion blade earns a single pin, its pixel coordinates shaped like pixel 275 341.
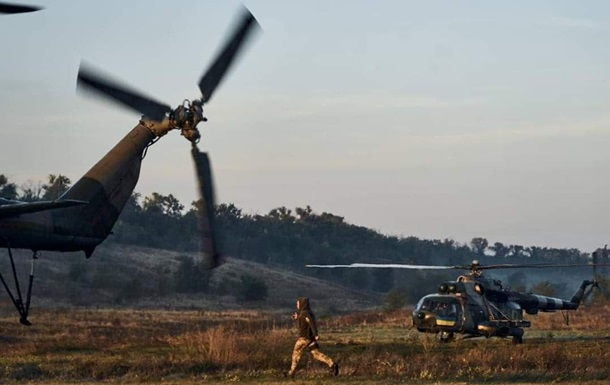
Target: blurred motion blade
pixel 386 266
pixel 206 209
pixel 102 85
pixel 15 8
pixel 216 72
pixel 539 266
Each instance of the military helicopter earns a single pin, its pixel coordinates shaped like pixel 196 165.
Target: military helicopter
pixel 83 217
pixel 16 8
pixel 476 306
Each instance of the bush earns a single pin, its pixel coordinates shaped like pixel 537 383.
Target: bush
pixel 394 300
pixel 251 288
pixel 191 276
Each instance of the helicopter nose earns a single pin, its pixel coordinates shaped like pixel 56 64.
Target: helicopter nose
pixel 423 319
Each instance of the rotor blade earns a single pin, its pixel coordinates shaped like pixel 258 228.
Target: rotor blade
pixel 15 8
pixel 102 85
pixel 537 266
pixel 215 73
pixel 432 267
pixel 206 210
pixel 387 266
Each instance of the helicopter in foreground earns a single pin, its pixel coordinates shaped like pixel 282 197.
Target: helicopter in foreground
pixel 476 306
pixel 83 217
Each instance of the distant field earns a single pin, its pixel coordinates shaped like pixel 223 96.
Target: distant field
pixel 187 347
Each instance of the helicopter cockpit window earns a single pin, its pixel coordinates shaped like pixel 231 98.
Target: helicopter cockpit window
pixel 444 308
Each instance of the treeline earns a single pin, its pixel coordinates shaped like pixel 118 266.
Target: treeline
pixel 294 238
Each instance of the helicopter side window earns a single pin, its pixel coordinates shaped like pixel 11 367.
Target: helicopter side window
pixel 446 310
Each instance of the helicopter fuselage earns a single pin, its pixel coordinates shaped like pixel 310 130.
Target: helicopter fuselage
pixel 477 306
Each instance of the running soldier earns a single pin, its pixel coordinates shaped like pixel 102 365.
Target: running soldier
pixel 308 338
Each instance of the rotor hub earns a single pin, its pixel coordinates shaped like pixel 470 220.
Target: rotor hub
pixel 186 117
pixel 475 269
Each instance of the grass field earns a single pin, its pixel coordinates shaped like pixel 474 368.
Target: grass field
pixel 187 347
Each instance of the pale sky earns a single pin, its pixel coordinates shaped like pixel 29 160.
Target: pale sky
pixel 438 119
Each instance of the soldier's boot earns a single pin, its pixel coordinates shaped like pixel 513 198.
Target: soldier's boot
pixel 334 369
pixel 289 374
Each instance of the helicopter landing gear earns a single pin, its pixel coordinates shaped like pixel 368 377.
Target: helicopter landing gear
pixel 517 334
pixel 22 308
pixel 445 336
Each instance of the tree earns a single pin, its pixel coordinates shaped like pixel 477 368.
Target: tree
pixel 31 191
pixel 56 186
pixel 395 299
pixel 191 277
pixel 281 214
pixel 331 218
pixel 478 245
pixel 163 204
pixel 251 288
pixel 516 251
pixel 304 214
pixel 7 190
pixel 132 208
pixel 223 210
pixel 500 251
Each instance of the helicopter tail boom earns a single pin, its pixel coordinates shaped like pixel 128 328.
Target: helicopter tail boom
pixel 533 303
pixel 580 293
pixel 106 186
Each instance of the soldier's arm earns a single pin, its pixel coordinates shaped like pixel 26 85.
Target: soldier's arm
pixel 312 326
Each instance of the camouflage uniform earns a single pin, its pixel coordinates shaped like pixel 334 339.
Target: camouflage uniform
pixel 308 336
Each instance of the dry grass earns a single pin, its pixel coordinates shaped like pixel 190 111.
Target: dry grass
pixel 255 347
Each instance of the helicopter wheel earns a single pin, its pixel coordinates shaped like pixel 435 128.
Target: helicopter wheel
pixel 445 336
pixel 517 340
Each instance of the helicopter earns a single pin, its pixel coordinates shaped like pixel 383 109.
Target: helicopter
pixel 83 217
pixel 16 8
pixel 477 306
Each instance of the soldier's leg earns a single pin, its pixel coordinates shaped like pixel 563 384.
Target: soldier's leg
pixel 299 346
pixel 318 355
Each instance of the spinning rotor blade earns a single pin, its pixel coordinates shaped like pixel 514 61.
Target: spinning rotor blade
pixel 215 73
pixel 15 8
pixel 467 267
pixel 387 266
pixel 102 85
pixel 206 211
pixel 536 266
